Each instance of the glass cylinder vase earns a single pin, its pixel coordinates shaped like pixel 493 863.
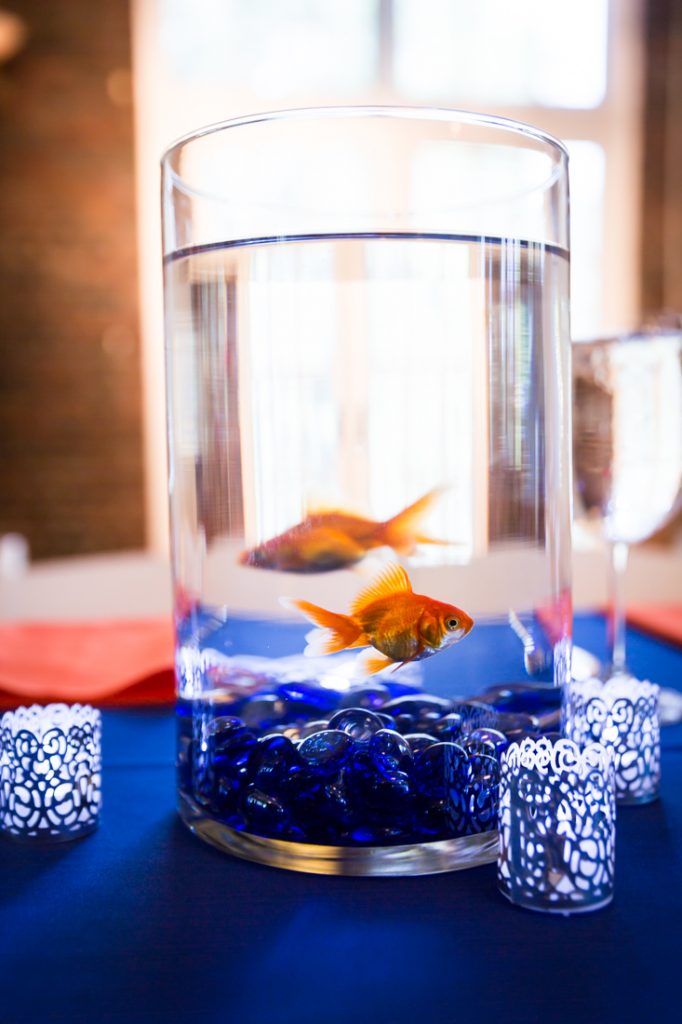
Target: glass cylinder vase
pixel 368 388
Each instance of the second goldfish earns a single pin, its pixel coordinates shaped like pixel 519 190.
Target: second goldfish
pixel 324 541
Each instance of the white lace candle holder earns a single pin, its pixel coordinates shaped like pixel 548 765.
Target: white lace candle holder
pixel 621 713
pixel 50 772
pixel 557 826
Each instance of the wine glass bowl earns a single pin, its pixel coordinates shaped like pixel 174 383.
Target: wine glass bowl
pixel 627 447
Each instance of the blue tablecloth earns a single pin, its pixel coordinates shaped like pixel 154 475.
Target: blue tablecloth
pixel 143 922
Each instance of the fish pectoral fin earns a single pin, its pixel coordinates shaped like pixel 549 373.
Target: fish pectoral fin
pixel 391 581
pixel 422 538
pixel 327 547
pixel 406 661
pixel 372 661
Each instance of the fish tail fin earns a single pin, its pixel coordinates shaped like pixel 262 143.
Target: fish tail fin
pixel 400 532
pixel 372 661
pixel 334 633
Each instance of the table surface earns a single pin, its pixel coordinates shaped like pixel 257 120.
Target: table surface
pixel 143 922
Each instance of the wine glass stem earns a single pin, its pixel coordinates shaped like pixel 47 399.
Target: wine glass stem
pixel 616 614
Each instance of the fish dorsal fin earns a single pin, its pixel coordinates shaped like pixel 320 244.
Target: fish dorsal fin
pixel 319 508
pixel 390 581
pixel 319 505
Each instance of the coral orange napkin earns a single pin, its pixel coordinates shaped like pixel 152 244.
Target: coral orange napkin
pixel 101 662
pixel 661 620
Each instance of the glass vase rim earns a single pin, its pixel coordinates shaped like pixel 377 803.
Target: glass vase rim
pixel 396 111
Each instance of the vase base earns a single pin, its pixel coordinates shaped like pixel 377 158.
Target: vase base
pixel 409 859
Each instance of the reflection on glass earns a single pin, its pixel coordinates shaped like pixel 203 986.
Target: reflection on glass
pixel 588 169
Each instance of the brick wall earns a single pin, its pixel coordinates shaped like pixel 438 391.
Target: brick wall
pixel 70 419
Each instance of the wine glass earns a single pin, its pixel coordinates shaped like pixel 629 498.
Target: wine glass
pixel 627 448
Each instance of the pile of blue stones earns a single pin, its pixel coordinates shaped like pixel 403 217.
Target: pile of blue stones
pixel 380 770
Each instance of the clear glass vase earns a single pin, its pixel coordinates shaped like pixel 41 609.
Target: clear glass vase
pixel 368 408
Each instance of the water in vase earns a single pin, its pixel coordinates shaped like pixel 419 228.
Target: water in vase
pixel 373 459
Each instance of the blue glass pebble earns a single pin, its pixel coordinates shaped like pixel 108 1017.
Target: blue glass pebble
pixel 310 728
pixel 486 741
pixel 391 795
pixel 223 729
pixel 378 771
pixel 439 768
pixel 303 699
pixel 274 764
pixel 229 746
pixel 358 723
pixel 389 752
pixel 376 834
pixel 263 711
pixel 476 715
pixel 292 732
pixel 431 820
pixel 455 812
pixel 364 834
pixel 226 796
pixel 307 809
pixel 516 726
pixel 482 792
pixel 520 698
pixel 326 752
pixel 265 813
pixel 423 710
pixel 419 741
pixel 358 777
pixel 450 727
pixel 398 689
pixel 233 759
pixel 371 696
pixel 338 804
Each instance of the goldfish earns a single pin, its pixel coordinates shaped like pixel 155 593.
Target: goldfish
pixel 397 625
pixel 335 539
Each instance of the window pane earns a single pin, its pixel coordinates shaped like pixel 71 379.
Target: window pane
pixel 270 48
pixel 493 51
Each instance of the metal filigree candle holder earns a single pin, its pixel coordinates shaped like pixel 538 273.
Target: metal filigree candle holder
pixel 557 825
pixel 621 713
pixel 50 763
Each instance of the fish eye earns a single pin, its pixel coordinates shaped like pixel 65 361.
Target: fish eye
pixel 452 623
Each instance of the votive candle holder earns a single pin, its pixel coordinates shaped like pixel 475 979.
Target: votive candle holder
pixel 557 825
pixel 50 772
pixel 621 713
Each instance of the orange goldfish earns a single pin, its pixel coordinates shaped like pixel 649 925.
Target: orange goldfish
pixel 387 616
pixel 332 540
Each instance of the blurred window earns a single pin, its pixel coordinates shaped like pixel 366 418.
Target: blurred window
pixel 529 52
pixel 565 66
pixel 274 49
pixel 571 67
